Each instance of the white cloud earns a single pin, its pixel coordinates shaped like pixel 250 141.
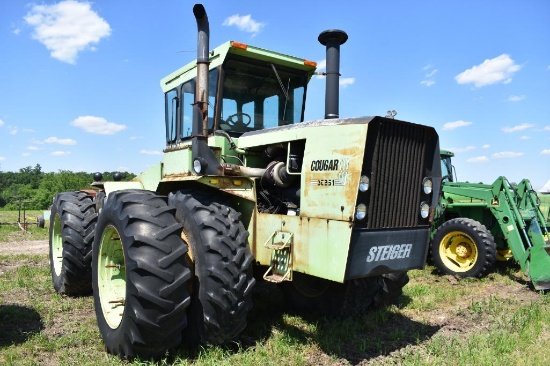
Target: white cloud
pixel 545 152
pixel 496 70
pixel 1 123
pixel 525 137
pixel 521 127
pixel 547 128
pixel 463 149
pixel 12 130
pixel 486 146
pixel 26 154
pixel 430 73
pixel 506 154
pixel 67 28
pixel 321 65
pixel 55 140
pixel 455 124
pixel 516 98
pixel 345 82
pixel 2 158
pixel 97 125
pixel 244 23
pixel 16 31
pixel 150 152
pixel 32 147
pixel 478 159
pixel 60 153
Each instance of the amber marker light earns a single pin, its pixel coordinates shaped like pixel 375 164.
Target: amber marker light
pixel 242 46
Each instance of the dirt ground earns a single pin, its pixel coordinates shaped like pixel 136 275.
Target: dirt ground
pixel 29 247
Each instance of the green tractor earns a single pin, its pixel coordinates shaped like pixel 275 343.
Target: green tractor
pixel 544 199
pixel 335 211
pixel 478 224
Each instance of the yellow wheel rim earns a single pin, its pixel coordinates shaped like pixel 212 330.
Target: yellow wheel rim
pixel 458 251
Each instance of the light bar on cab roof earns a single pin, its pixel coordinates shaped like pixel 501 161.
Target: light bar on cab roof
pixel 310 63
pixel 239 45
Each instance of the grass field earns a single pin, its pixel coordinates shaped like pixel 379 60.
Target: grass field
pixel 11 231
pixel 439 321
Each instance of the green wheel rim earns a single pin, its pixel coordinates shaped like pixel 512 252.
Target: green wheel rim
pixel 458 251
pixel 111 280
pixel 57 246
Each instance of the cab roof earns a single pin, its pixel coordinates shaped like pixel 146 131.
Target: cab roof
pixel 219 54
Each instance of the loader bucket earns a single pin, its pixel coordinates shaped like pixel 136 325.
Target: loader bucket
pixel 538 256
pixel 539 266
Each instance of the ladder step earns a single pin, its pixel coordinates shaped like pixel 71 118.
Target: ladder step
pixel 275 278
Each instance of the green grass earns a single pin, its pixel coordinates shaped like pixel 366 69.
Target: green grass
pixel 439 321
pixel 10 231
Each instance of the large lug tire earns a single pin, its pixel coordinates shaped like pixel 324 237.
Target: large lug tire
pixel 222 261
pixel 72 225
pixel 140 276
pixel 308 294
pixel 463 247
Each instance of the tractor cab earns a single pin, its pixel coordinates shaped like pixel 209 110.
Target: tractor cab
pixel 447 166
pixel 249 89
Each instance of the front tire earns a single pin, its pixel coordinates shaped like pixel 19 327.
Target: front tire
pixel 463 247
pixel 72 225
pixel 140 276
pixel 222 261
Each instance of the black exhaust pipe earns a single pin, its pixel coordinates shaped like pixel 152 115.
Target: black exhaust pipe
pixel 332 39
pixel 204 160
pixel 203 60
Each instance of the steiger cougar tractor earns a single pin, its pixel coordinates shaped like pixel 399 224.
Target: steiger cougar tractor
pixel 334 210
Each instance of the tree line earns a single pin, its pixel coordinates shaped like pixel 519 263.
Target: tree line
pixel 36 188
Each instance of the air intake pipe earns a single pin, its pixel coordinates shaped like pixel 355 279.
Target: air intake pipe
pixel 332 39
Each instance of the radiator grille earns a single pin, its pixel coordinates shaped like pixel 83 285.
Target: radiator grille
pixel 400 152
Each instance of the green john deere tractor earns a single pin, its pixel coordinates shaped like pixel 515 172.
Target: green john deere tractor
pixel 336 210
pixel 478 224
pixel 544 199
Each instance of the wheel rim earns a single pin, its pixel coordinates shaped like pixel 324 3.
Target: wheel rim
pixel 458 251
pixel 57 246
pixel 111 280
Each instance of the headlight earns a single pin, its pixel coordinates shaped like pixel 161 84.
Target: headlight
pixel 360 211
pixel 364 183
pixel 427 185
pixel 199 165
pixel 424 210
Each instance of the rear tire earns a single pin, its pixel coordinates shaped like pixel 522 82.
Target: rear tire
pixel 222 261
pixel 140 277
pixel 72 224
pixel 308 294
pixel 463 247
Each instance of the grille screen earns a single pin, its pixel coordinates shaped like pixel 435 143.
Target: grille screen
pixel 401 157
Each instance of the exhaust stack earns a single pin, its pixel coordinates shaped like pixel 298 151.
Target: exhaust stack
pixel 203 60
pixel 204 160
pixel 332 39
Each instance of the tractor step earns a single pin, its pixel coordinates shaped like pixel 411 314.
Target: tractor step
pixel 280 268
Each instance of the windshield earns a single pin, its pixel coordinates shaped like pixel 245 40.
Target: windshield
pixel 259 95
pixel 446 169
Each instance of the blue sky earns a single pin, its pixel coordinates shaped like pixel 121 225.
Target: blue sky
pixel 79 81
